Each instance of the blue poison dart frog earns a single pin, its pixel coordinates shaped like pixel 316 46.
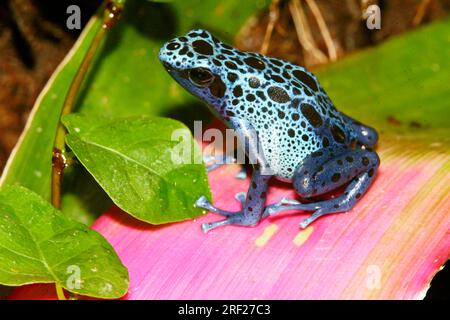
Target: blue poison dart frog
pixel 286 121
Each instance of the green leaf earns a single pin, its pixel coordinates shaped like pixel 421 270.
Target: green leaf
pixel 133 160
pixel 404 79
pixel 38 244
pixel 126 79
pixel 84 200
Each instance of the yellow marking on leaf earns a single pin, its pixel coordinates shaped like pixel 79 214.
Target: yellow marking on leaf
pixel 173 90
pixel 302 236
pixel 219 10
pixel 432 197
pixel 267 234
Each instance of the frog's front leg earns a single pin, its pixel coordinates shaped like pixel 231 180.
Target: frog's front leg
pixel 253 206
pixel 316 176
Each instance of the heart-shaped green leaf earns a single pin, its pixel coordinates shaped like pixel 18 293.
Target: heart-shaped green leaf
pixel 133 160
pixel 38 244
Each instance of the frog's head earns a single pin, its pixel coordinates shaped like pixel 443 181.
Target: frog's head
pixel 192 60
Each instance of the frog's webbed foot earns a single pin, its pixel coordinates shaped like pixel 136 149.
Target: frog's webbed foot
pixel 252 205
pixel 242 174
pixel 280 206
pixel 203 202
pixel 321 208
pixel 241 197
pixel 237 218
pixel 356 166
pixel 232 217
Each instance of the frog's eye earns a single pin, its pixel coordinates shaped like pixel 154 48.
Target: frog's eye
pixel 201 77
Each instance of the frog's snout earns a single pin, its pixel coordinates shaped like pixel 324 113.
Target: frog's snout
pixel 162 56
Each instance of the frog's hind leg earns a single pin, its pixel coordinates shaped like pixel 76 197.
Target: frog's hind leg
pixel 343 203
pixel 316 177
pixel 252 205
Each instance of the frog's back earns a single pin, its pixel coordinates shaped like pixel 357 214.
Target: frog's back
pixel 286 105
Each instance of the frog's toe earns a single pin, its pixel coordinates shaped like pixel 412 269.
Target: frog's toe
pixel 203 202
pixel 270 210
pixel 242 174
pixel 279 206
pixel 236 218
pixel 206 227
pixel 286 200
pixel 306 222
pixel 240 196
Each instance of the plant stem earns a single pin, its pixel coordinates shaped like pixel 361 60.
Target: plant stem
pixel 59 161
pixel 60 292
pixel 111 14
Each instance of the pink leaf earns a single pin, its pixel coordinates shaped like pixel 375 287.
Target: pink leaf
pixel 388 247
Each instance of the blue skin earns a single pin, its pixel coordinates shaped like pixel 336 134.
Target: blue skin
pixel 281 110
